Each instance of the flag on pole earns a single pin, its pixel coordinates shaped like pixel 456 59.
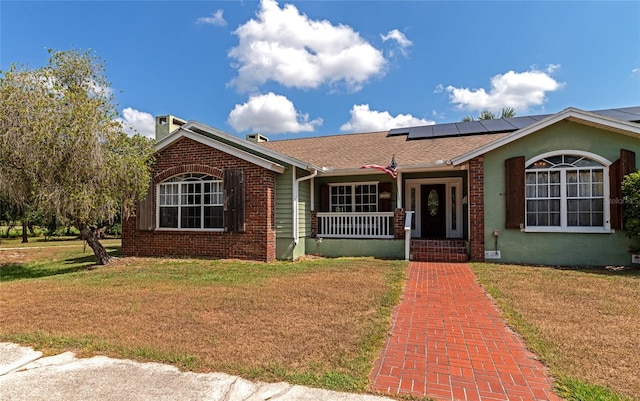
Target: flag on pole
pixel 390 169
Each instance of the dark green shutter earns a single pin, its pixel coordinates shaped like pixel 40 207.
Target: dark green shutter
pixel 617 171
pixel 514 192
pixel 234 200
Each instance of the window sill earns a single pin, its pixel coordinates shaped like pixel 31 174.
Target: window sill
pixel 569 230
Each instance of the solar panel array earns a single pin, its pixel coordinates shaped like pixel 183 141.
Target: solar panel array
pixel 480 127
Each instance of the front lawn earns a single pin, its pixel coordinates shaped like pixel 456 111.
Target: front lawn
pixel 584 323
pixel 317 322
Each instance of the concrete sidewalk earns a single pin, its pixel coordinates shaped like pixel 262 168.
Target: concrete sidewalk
pixel 26 375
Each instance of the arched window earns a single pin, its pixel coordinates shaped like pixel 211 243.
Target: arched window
pixel 567 192
pixel 190 201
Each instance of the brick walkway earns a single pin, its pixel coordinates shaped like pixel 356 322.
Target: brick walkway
pixel 449 342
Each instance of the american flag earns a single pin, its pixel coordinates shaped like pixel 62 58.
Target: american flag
pixel 390 169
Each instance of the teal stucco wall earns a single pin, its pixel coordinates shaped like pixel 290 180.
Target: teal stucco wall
pixel 563 249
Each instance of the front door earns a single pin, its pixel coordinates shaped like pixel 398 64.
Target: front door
pixel 434 211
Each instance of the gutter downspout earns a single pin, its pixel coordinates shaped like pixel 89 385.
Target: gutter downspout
pixel 296 212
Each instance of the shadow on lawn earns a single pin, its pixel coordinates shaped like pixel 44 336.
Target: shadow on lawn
pixel 21 271
pixel 630 272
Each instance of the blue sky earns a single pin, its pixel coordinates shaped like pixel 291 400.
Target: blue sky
pixel 308 68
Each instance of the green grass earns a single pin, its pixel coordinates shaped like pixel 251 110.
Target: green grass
pixel 65 261
pixel 572 389
pixel 568 285
pixel 318 322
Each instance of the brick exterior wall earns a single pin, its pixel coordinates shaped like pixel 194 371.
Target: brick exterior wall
pixel 258 242
pixel 476 207
pixel 314 224
pixel 398 224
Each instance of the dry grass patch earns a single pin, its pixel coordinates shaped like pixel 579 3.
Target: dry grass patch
pixel 318 322
pixel 583 322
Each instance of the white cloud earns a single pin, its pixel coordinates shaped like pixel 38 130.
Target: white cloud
pixel 270 114
pixel 287 47
pixel 365 120
pixel 400 39
pixel 138 122
pixel 215 19
pixel 520 90
pixel 635 71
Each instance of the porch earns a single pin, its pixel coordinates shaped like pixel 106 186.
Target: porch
pixel 420 215
pixel 388 226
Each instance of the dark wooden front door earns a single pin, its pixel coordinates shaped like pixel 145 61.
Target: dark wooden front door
pixel 433 223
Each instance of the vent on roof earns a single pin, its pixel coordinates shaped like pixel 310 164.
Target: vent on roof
pixel 257 138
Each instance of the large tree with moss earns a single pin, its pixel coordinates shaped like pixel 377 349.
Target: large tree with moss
pixel 62 148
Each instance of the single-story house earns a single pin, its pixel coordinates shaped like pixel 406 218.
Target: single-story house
pixel 541 189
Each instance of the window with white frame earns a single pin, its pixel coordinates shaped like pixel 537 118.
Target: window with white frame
pixel 190 201
pixel 566 192
pixel 356 197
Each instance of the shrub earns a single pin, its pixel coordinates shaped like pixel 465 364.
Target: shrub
pixel 631 192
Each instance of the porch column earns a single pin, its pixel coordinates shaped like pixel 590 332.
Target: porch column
pixel 314 224
pixel 398 223
pixel 399 191
pixel 476 208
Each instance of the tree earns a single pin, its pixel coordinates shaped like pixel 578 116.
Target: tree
pixel 63 151
pixel 506 112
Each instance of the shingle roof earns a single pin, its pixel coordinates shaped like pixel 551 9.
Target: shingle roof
pixel 354 150
pixel 350 151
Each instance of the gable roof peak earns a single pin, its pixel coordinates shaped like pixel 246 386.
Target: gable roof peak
pixel 573 114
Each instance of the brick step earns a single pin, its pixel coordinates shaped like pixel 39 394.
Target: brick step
pixel 439 250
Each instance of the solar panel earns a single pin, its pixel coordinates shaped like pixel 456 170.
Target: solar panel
pixel 448 129
pixel 628 114
pixel 498 125
pixel 634 111
pixel 426 131
pixel 540 117
pixel 471 127
pixel 399 131
pixel 520 122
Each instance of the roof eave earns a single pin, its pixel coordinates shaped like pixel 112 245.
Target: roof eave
pixel 253 146
pixel 183 132
pixel 443 165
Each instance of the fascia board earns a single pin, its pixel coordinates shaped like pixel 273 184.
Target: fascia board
pixel 329 172
pixel 257 148
pixel 573 114
pixel 183 132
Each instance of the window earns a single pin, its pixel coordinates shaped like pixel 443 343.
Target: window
pixel 566 192
pixel 190 201
pixel 361 197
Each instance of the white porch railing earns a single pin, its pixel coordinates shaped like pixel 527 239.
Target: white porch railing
pixel 407 233
pixel 355 225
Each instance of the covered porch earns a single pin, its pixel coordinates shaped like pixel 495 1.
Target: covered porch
pixel 422 215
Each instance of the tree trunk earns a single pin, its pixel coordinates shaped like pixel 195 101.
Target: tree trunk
pixel 91 236
pixel 9 228
pixel 24 232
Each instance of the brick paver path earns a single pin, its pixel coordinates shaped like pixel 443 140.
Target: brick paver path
pixel 449 342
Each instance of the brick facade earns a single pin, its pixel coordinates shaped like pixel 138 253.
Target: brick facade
pixel 257 242
pixel 476 207
pixel 398 223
